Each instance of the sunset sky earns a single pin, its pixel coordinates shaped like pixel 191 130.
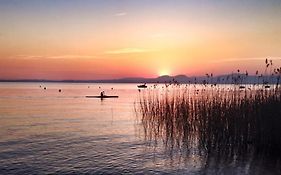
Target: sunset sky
pixel 104 39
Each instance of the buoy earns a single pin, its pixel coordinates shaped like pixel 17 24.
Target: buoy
pixel 45 88
pixel 59 90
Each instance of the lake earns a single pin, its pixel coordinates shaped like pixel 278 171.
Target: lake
pixel 52 132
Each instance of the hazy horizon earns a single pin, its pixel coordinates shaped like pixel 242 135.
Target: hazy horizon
pixel 164 78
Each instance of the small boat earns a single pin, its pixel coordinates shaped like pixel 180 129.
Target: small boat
pixel 142 86
pixel 104 96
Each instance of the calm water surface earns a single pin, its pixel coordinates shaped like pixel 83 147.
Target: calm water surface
pixel 52 132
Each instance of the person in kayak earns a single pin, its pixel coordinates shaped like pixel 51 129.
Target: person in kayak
pixel 102 94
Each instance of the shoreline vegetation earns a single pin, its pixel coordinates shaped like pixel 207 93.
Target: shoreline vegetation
pixel 220 122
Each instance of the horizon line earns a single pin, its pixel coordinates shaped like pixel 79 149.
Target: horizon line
pixel 119 79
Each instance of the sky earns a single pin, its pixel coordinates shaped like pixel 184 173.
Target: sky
pixel 105 39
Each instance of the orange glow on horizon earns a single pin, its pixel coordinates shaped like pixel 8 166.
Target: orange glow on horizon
pixel 134 39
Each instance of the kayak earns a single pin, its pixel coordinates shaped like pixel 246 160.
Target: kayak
pixel 105 96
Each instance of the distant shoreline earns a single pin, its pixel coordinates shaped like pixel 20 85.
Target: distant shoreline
pixel 182 79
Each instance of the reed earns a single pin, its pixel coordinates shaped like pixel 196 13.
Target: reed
pixel 210 119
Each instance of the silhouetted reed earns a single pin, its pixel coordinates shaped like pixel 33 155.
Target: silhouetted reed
pixel 220 120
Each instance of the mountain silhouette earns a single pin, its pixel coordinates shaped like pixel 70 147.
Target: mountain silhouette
pixel 223 79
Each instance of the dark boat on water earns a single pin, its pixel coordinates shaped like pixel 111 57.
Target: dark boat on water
pixel 103 96
pixel 142 86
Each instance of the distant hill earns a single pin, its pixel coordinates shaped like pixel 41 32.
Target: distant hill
pixel 223 79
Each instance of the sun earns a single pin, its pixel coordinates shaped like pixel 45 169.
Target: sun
pixel 164 72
